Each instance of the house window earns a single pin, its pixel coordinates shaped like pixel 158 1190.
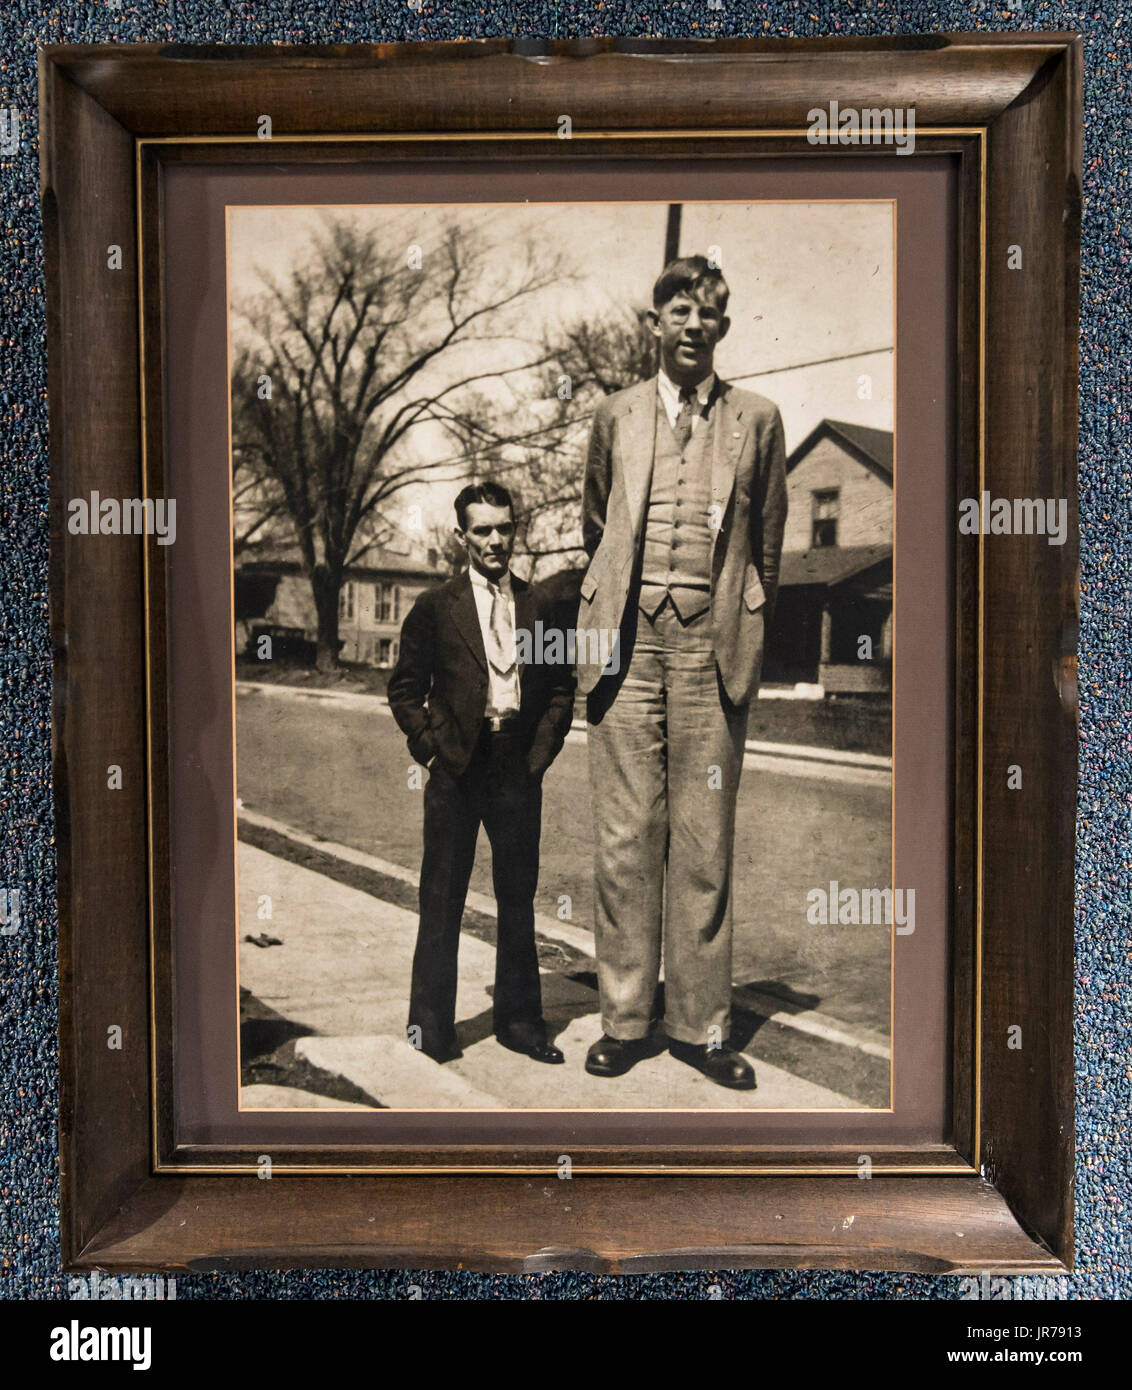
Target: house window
pixel 826 510
pixel 347 599
pixel 384 651
pixel 387 603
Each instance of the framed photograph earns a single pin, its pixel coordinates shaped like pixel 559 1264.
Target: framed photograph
pixel 564 601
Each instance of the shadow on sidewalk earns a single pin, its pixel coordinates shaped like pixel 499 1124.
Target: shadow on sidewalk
pixel 267 1056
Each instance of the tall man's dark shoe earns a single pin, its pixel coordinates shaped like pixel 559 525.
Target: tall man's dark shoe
pixel 719 1064
pixel 528 1045
pixel 614 1056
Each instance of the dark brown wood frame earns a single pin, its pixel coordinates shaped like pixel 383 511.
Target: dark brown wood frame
pixel 1009 105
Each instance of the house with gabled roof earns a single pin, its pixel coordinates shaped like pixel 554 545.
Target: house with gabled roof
pixel 833 620
pixel 273 596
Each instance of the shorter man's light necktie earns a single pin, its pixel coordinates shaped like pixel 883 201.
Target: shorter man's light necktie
pixel 501 639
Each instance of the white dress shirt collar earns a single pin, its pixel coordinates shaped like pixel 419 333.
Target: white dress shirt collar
pixel 481 581
pixel 670 391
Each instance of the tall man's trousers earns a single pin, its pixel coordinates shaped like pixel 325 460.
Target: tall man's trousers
pixel 665 756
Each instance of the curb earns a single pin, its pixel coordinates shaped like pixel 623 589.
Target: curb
pixel 562 932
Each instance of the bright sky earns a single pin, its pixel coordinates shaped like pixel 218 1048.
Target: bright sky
pixel 809 281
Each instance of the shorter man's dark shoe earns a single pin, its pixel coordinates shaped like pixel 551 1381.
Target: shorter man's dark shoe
pixel 719 1064
pixel 442 1052
pixel 441 1047
pixel 614 1056
pixel 538 1051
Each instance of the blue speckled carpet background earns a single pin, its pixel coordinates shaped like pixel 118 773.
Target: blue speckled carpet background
pixel 28 986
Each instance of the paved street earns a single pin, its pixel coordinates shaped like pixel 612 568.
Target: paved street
pixel 332 831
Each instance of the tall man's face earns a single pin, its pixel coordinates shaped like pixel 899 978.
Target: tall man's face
pixel 688 328
pixel 488 537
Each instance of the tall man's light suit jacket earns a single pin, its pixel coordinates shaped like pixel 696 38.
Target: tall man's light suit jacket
pixel 748 515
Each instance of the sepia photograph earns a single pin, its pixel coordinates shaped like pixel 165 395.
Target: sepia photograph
pixel 563 635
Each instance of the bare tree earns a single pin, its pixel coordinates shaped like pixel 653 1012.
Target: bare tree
pixel 259 508
pixel 363 344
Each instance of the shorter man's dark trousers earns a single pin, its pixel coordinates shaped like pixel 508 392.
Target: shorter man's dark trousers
pixel 497 790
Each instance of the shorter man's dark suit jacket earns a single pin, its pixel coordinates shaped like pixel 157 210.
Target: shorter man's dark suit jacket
pixel 438 689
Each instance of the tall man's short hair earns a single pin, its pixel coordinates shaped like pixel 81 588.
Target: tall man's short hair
pixel 689 275
pixel 494 494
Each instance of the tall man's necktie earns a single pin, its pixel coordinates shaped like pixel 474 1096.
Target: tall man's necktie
pixel 683 426
pixel 501 639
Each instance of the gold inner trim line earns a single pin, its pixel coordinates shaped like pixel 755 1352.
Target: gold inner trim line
pixel 389 137
pixel 577 1169
pixel 460 136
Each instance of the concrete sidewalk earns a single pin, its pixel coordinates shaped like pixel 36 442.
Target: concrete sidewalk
pixel 341 975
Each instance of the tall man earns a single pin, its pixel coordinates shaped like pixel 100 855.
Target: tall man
pixel 683 510
pixel 487 730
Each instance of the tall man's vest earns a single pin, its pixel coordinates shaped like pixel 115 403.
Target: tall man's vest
pixel 678 536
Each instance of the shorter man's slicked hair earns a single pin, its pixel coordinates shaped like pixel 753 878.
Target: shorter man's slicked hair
pixel 687 275
pixel 494 494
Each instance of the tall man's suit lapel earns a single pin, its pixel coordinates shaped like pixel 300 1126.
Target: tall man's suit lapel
pixel 636 438
pixel 729 431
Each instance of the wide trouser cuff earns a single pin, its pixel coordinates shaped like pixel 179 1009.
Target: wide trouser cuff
pixel 699 1036
pixel 624 1032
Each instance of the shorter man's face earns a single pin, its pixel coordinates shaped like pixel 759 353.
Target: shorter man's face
pixel 688 328
pixel 488 537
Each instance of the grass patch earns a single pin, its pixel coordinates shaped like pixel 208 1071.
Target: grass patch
pixel 854 724
pixel 347 677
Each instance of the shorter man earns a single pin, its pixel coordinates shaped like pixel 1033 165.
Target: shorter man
pixel 487 731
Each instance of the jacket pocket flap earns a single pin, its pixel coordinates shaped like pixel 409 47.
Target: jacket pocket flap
pixel 589 586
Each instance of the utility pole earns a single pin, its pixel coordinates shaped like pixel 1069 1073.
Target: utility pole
pixel 672 233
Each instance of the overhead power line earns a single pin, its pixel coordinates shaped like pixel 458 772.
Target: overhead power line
pixel 817 362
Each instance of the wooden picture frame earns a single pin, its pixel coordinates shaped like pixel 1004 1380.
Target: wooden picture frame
pixel 1008 108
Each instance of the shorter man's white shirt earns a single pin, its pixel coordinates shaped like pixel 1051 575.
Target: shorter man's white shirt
pixel 503 691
